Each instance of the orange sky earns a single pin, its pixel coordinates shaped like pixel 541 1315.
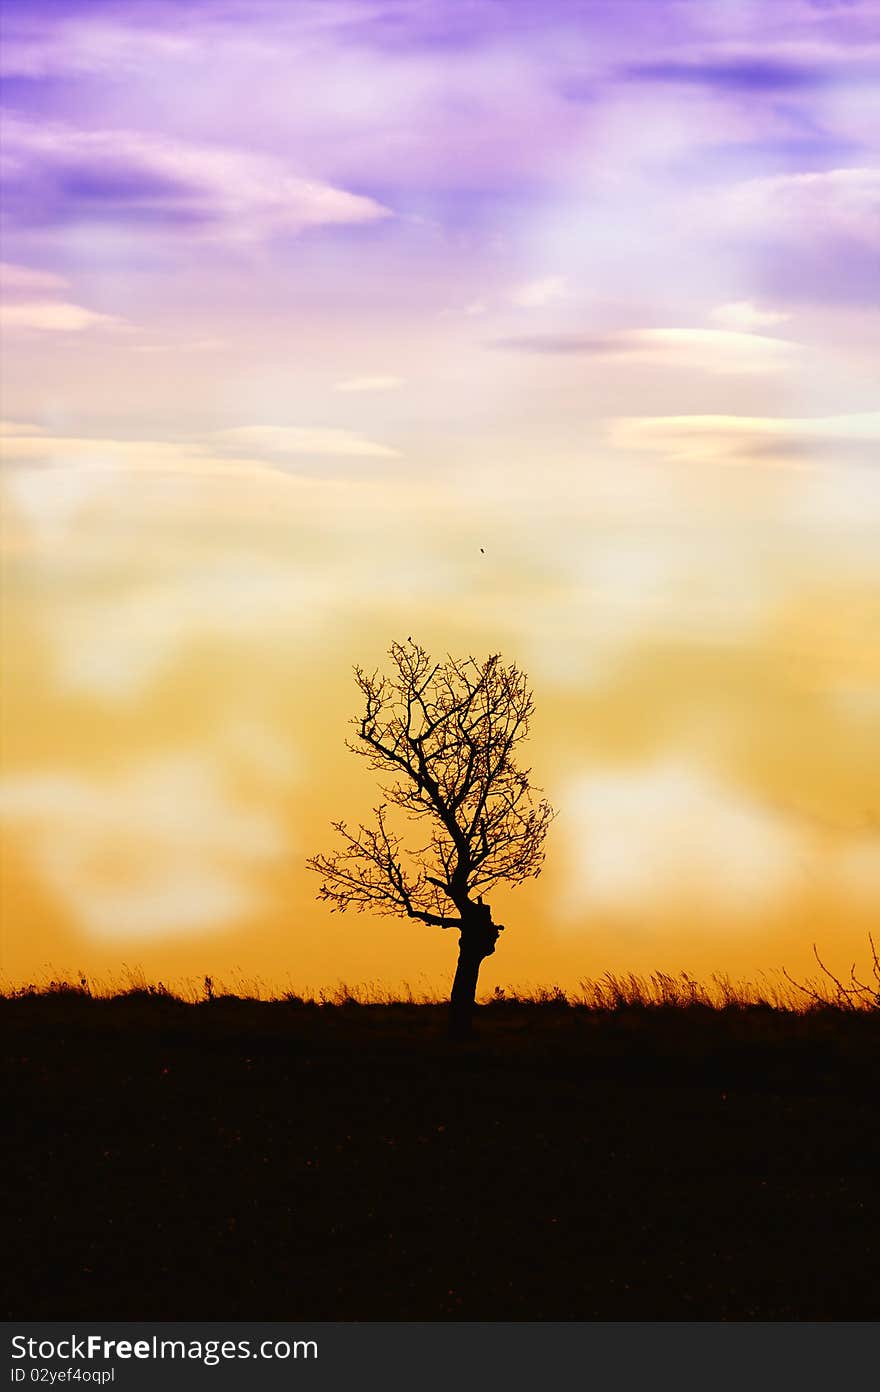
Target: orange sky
pixel 179 646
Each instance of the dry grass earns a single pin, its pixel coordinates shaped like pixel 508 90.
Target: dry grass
pixel 778 991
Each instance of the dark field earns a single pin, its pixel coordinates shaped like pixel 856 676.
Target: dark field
pixel 243 1159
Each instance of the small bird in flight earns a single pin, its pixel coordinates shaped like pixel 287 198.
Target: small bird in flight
pixel 482 551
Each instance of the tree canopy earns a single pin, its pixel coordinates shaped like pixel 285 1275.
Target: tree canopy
pixel 445 736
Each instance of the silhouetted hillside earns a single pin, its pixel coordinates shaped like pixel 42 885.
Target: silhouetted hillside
pixel 238 1158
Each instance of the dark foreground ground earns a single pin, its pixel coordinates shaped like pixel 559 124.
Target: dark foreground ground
pixel 268 1160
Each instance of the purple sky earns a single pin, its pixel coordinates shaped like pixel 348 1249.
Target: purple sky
pixel 461 122
pixel 392 174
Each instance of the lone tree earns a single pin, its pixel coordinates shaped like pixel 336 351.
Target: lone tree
pixel 445 736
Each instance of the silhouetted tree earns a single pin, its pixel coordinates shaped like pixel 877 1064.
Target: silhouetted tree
pixel 445 734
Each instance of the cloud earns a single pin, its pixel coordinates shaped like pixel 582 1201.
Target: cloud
pixel 808 207
pixel 744 316
pixel 48 499
pixel 15 279
pixel 28 300
pixel 52 316
pixel 660 837
pixel 159 849
pixel 59 174
pixel 537 293
pixel 85 44
pixel 51 480
pixel 810 236
pixel 113 647
pixel 15 428
pixel 369 384
pixel 742 438
pixel 95 453
pixel 240 449
pixel 280 441
pixel 708 350
pixel 748 74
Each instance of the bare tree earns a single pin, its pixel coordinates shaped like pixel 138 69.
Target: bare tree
pixel 445 735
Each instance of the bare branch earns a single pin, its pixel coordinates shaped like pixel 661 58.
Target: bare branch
pixel 445 736
pixel 367 872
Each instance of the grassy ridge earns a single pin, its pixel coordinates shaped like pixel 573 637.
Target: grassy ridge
pixel 283 1159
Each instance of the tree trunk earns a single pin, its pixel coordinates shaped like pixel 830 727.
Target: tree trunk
pixel 478 938
pixel 464 990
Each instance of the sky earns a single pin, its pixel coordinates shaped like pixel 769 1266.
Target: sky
pixel 548 330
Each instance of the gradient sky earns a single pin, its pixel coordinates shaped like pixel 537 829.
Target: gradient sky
pixel 305 304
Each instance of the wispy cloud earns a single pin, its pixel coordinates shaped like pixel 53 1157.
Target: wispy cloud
pixel 706 350
pixel 240 447
pixel 668 837
pixel 744 316
pixel 160 849
pixel 672 835
pixel 280 441
pixel 13 429
pixel 839 203
pixel 50 480
pixel 25 280
pixel 116 647
pixel 30 445
pixel 87 43
pixel 731 438
pixel 747 73
pixel 52 316
pixel 369 384
pixel 30 300
pixel 61 174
